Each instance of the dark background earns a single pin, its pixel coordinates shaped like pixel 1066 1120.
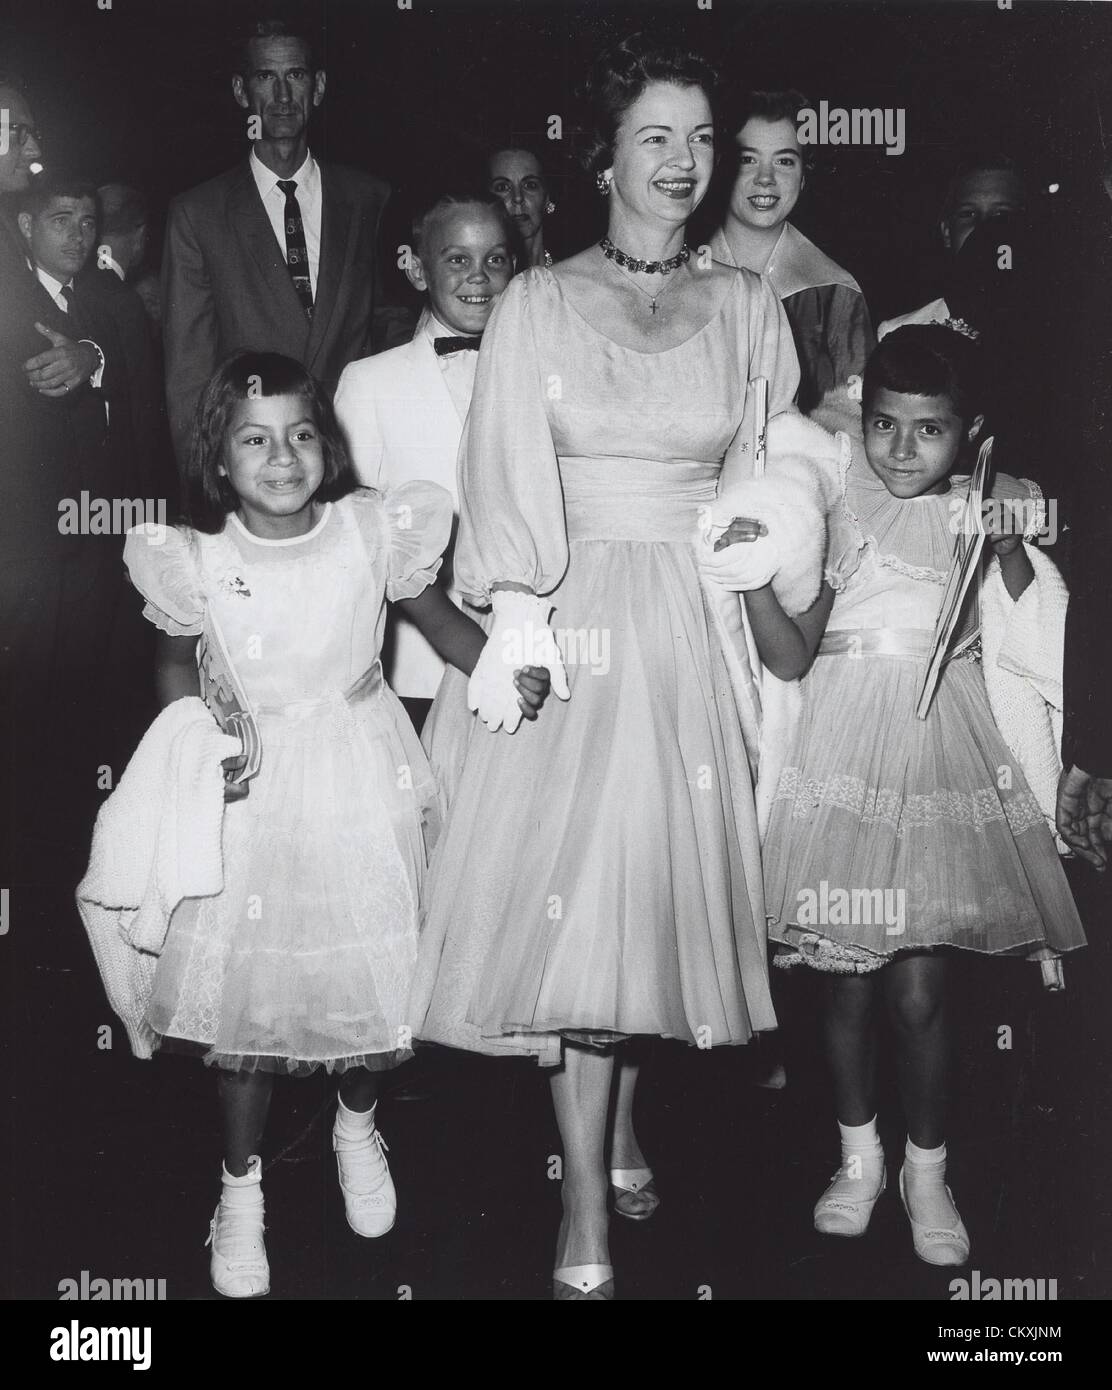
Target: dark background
pixel 110 1166
pixel 141 93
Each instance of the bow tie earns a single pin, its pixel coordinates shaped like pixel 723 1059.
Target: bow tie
pixel 443 346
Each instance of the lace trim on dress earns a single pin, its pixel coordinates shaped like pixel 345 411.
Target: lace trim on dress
pixel 925 573
pixel 873 805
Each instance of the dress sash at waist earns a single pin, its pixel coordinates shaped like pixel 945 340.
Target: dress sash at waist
pixel 877 641
pixel 635 499
pixel 369 684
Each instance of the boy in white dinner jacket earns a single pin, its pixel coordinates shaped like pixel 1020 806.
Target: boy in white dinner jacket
pixel 402 411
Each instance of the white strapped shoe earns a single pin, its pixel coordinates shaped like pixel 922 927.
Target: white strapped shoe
pixel 937 1245
pixel 370 1201
pixel 239 1267
pixel 847 1204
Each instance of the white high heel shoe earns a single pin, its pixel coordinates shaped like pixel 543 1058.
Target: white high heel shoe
pixel 583 1282
pixel 635 1194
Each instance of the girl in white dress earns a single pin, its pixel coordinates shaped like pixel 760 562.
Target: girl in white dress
pixel 305 958
pixel 895 841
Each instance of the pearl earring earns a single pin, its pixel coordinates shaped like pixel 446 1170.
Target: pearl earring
pixel 602 183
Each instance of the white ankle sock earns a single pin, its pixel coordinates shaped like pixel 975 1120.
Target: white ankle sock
pixel 925 1187
pixel 356 1124
pixel 914 1154
pixel 245 1191
pixel 860 1139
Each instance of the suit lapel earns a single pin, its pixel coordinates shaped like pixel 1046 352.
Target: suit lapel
pixel 337 237
pixel 251 225
pixel 431 386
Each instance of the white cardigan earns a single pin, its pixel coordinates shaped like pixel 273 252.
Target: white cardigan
pixel 157 840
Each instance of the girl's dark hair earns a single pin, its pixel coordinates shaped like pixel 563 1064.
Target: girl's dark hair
pixel 207 496
pixel 927 360
pixel 618 78
pixel 784 105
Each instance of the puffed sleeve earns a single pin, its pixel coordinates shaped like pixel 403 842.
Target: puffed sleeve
pixel 413 521
pixel 512 525
pixel 162 563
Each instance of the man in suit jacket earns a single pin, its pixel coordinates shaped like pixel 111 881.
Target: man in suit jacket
pixel 60 581
pixel 402 412
pixel 109 276
pixel 277 254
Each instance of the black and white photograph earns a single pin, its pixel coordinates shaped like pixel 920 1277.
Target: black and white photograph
pixel 556 668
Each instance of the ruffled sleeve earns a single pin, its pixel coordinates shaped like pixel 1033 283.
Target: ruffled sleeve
pixel 414 526
pixel 162 562
pixel 512 525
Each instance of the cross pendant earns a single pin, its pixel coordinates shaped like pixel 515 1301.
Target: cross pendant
pixel 652 306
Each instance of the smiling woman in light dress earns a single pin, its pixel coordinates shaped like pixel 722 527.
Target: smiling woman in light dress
pixel 599 877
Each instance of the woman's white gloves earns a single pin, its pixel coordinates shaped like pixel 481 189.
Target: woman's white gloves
pixel 520 636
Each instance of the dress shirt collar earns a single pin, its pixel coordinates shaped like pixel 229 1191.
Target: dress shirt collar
pixel 307 177
pixel 49 283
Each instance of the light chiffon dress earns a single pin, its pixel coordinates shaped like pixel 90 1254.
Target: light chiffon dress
pixel 599 874
pixel 306 958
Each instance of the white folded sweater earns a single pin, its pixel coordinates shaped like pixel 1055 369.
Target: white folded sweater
pixel 156 841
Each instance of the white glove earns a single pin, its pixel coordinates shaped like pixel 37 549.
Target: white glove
pixel 520 636
pixel 741 566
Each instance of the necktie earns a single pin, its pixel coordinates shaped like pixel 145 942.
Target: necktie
pixel 297 257
pixel 69 299
pixel 443 346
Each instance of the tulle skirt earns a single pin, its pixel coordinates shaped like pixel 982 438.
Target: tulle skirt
pixel 890 833
pixel 306 958
pixel 599 873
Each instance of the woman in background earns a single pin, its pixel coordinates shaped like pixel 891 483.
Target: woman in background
pixel 516 175
pixel 824 304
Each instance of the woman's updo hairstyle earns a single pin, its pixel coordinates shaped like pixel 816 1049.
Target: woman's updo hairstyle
pixel 618 78
pixel 927 359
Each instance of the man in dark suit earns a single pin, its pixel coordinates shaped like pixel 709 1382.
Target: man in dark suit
pixel 277 254
pixel 58 583
pixel 110 275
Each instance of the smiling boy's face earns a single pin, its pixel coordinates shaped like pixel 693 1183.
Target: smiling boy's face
pixel 464 265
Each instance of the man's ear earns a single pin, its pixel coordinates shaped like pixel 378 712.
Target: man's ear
pixel 239 91
pixel 26 222
pixel 415 274
pixel 975 428
pixel 319 83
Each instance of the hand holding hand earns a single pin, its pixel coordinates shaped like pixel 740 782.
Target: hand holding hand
pixel 64 366
pixel 732 556
pixel 520 637
pixel 533 684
